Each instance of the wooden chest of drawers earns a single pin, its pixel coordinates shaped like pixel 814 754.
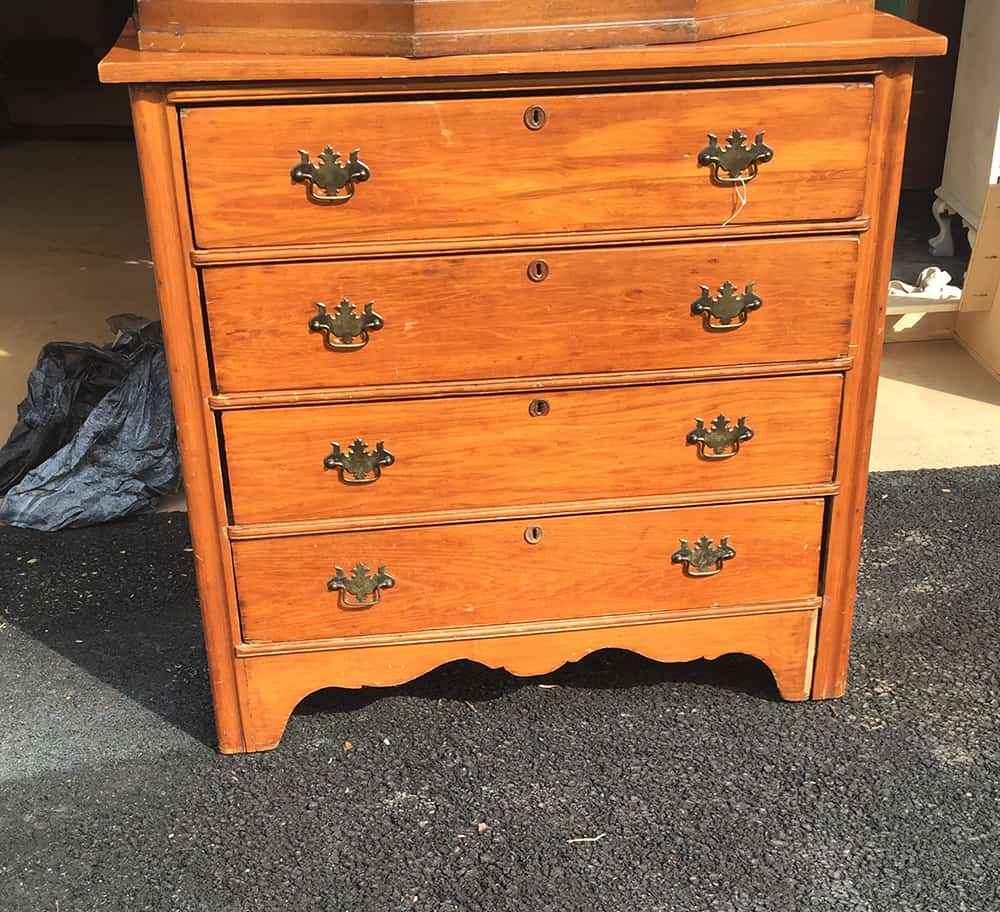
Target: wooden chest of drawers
pixel 545 353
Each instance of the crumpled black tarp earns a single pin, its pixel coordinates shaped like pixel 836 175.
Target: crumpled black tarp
pixel 95 438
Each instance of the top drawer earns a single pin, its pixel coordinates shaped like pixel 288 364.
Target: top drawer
pixel 481 167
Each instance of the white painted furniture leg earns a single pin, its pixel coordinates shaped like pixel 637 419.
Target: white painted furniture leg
pixel 942 244
pixel 972 231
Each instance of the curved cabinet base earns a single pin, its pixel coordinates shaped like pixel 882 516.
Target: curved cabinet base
pixel 276 684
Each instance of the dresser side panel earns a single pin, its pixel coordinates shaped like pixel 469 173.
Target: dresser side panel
pixel 846 522
pixel 166 214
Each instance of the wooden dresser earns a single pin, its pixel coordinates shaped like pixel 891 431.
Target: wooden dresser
pixel 516 357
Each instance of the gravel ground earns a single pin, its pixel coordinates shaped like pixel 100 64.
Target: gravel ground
pixel 469 789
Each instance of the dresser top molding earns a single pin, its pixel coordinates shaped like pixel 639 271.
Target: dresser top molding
pixel 866 36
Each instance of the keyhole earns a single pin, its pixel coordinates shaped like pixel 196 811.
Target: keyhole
pixel 538 270
pixel 539 408
pixel 533 534
pixel 535 117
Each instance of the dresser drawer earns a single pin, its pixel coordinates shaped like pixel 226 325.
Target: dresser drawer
pixel 490 573
pixel 473 167
pixel 536 313
pixel 490 451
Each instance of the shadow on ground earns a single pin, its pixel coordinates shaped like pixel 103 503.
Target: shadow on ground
pixel 121 602
pixel 628 785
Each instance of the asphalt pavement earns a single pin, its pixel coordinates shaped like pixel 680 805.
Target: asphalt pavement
pixel 614 784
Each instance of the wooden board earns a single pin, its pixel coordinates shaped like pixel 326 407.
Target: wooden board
pixel 978 326
pixel 426 28
pixel 478 171
pixel 487 573
pixel 982 281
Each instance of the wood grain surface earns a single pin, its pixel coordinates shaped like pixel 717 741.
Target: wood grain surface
pixel 176 283
pixel 276 684
pixel 480 317
pixel 490 452
pixel 447 517
pixel 470 167
pixel 561 240
pixel 469 575
pixel 864 36
pixel 450 388
pixel 423 28
pixel 606 475
pixel 847 516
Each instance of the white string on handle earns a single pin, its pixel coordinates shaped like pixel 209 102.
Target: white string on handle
pixel 743 195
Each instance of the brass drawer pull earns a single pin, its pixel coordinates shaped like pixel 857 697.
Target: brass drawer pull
pixel 703 559
pixel 361 589
pixel 357 466
pixel 336 179
pixel 728 310
pixel 346 325
pixel 721 440
pixel 735 158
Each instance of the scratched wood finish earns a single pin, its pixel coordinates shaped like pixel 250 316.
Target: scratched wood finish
pixel 476 170
pixel 861 37
pixel 487 573
pixel 490 452
pixel 423 28
pixel 481 317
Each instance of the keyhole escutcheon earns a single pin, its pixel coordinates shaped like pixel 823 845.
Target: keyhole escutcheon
pixel 538 270
pixel 535 118
pixel 538 408
pixel 533 534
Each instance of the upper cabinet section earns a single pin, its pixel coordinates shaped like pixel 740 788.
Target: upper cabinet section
pixel 382 172
pixel 862 36
pixel 430 28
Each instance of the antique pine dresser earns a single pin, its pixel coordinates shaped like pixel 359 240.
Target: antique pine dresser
pixel 512 357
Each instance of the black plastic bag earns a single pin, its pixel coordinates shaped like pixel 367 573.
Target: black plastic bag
pixel 95 439
pixel 68 381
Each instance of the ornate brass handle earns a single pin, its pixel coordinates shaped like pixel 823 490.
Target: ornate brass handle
pixel 357 466
pixel 735 158
pixel 362 589
pixel 346 325
pixel 703 559
pixel 720 441
pixel 336 179
pixel 728 310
